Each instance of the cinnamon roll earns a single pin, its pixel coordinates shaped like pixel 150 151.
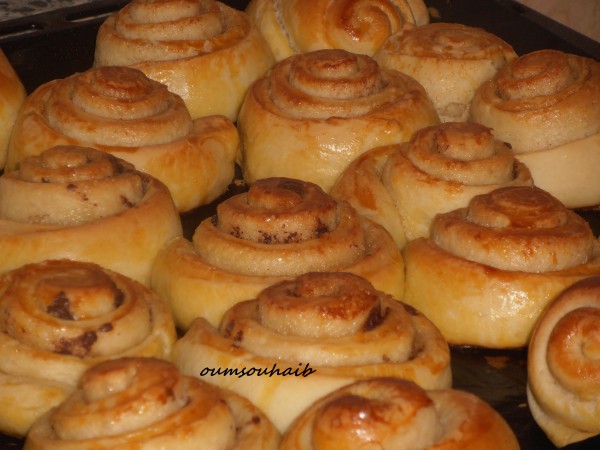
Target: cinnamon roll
pixel 563 385
pixel 59 318
pixel 359 26
pixel 203 50
pixel 496 264
pixel 144 403
pixel 121 111
pixel 277 230
pixel 466 56
pixel 403 187
pixel 541 103
pixel 391 413
pixel 84 204
pixel 12 96
pixel 313 113
pixel 301 339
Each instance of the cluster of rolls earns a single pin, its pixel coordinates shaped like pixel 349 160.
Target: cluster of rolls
pixel 388 214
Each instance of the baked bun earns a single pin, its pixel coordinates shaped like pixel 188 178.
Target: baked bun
pixel 542 104
pixel 466 56
pixel 84 204
pixel 563 386
pixel 146 403
pixel 496 264
pixel 203 50
pixel 60 317
pixel 12 96
pixel 302 338
pixel 279 229
pixel 121 111
pixel 313 113
pixel 403 187
pixel 298 26
pixel 394 414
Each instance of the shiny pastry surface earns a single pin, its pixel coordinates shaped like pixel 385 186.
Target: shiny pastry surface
pixel 313 113
pixel 395 414
pixel 203 50
pixel 295 26
pixel 322 329
pixel 82 203
pixel 60 317
pixel 145 403
pixel 403 187
pixel 123 112
pixel 540 104
pixel 466 56
pixel 277 230
pixel 497 264
pixel 563 370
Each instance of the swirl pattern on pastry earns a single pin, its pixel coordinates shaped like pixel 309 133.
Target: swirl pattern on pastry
pixel 467 57
pixel 279 228
pixel 334 324
pixel 60 317
pixel 359 26
pixel 391 413
pixel 496 265
pixel 84 204
pixel 563 365
pixel 313 113
pixel 540 104
pixel 12 96
pixel 121 111
pixel 205 51
pixel 440 169
pixel 131 403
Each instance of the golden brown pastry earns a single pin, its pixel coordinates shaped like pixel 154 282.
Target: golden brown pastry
pixel 563 385
pixel 450 60
pixel 146 403
pixel 84 204
pixel 403 187
pixel 489 270
pixel 301 339
pixel 359 26
pixel 277 230
pixel 543 105
pixel 121 111
pixel 313 113
pixel 60 317
pixel 396 414
pixel 12 96
pixel 203 50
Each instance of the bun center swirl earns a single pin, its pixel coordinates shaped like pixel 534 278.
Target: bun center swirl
pixel 284 226
pixel 142 399
pixel 573 352
pixel 168 30
pixel 74 309
pixel 116 106
pixel 325 319
pixel 278 211
pixel 329 83
pixel 388 415
pixel 540 79
pixel 466 153
pixel 517 228
pixel 179 19
pixel 322 305
pixel 69 185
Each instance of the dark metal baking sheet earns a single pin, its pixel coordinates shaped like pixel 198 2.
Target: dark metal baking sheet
pixel 55 45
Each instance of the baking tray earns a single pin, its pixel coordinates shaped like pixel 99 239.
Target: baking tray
pixel 57 44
